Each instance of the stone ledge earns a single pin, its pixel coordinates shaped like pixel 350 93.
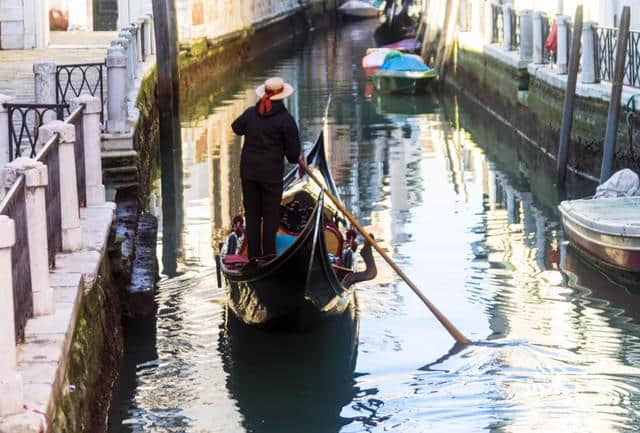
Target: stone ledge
pixel 42 359
pixel 470 41
pixel 600 91
pixel 510 58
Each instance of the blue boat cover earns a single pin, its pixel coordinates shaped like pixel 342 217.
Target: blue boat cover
pixel 396 61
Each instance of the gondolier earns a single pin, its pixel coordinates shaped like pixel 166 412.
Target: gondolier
pixel 270 134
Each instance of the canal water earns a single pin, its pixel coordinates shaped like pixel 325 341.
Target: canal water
pixel 464 205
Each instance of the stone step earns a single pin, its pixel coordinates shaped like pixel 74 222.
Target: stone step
pixel 124 169
pixel 114 175
pixel 119 154
pixel 122 158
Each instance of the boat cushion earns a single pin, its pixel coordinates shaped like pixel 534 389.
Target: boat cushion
pixel 283 242
pixel 235 260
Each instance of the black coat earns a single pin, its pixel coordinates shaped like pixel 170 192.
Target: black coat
pixel 268 139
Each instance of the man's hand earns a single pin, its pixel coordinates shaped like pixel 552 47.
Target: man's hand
pixel 301 166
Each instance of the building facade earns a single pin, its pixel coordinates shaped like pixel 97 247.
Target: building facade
pixel 24 24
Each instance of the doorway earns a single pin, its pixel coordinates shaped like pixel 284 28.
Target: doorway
pixel 105 15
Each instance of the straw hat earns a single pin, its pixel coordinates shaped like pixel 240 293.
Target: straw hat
pixel 275 84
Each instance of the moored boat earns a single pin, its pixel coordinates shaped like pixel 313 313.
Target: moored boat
pixel 606 229
pixel 403 73
pixel 357 9
pixel 411 82
pixel 313 275
pixel 374 59
pixel 408 45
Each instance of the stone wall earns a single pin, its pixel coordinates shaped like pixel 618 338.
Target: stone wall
pixel 213 19
pixel 83 397
pixel 534 107
pixel 23 24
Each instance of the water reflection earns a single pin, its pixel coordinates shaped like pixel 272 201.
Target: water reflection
pixel 468 210
pixel 309 393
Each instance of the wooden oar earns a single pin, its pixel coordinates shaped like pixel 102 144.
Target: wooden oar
pixel 455 333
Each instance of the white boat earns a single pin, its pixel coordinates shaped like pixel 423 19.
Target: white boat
pixel 358 9
pixel 607 229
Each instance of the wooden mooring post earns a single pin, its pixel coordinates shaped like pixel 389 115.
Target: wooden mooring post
pixel 609 151
pixel 445 48
pixel 169 125
pixel 569 100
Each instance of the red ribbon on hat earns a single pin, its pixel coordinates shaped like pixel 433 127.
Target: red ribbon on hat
pixel 265 101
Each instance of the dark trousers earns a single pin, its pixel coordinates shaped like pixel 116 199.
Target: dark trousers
pixel 262 209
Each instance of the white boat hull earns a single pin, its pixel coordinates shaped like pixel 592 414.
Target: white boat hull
pixel 360 13
pixel 598 228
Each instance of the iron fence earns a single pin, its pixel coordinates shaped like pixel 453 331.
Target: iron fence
pixel 49 155
pixel 498 23
pixel 14 206
pixel 24 121
pixel 75 119
pixel 75 80
pixel 632 75
pixel 607 38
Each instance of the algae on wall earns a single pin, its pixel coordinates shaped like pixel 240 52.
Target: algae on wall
pixel 497 85
pixel 83 397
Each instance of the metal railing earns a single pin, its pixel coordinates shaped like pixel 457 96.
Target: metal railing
pixel 50 156
pixel 607 44
pixel 14 206
pixel 607 39
pixel 633 60
pixel 24 122
pixel 75 80
pixel 498 23
pixel 75 119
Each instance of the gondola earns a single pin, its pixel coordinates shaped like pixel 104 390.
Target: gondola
pixel 312 276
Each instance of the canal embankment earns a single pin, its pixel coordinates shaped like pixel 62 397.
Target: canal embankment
pixel 500 60
pixel 61 249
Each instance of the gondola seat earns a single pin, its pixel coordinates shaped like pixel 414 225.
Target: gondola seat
pixel 235 260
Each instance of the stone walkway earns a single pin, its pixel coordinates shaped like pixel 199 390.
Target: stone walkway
pixel 43 358
pixel 16 66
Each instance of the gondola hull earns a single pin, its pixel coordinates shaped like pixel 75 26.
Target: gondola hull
pixel 297 288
